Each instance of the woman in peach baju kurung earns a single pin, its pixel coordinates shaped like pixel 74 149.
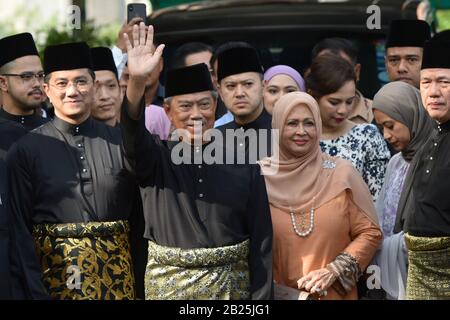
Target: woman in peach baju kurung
pixel 324 223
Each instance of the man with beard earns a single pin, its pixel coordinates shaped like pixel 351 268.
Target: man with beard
pixel 21 79
pixel 404 50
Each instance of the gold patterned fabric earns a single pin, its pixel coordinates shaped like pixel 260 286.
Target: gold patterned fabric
pixel 429 268
pixel 86 260
pixel 206 273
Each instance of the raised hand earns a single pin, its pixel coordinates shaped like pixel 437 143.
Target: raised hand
pixel 141 58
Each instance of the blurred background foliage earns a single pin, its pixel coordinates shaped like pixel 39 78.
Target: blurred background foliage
pixel 94 36
pixel 443 17
pixel 55 29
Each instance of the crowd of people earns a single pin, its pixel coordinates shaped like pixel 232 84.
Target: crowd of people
pixel 108 190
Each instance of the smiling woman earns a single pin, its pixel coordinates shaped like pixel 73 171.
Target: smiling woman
pixel 322 213
pixel 331 80
pixel 299 131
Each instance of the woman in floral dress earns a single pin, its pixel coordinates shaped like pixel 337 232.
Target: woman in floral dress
pixel 331 80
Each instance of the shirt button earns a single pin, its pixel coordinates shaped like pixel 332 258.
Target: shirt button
pixel 199 166
pixel 82 158
pixel 431 158
pixel 201 195
pixel 200 180
pixel 428 171
pixel 79 145
pixel 84 170
pixel 435 144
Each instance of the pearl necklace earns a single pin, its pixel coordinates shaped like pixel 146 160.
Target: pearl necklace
pixel 302 222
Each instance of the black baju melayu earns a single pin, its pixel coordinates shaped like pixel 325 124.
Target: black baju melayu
pixel 425 216
pixel 28 122
pixel 10 132
pixel 195 209
pixel 263 143
pixel 70 197
pixel 431 217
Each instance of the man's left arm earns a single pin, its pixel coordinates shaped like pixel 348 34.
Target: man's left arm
pixel 260 226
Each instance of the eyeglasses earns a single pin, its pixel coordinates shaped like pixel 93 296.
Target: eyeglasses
pixel 27 77
pixel 81 84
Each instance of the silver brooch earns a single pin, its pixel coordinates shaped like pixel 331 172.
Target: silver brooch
pixel 328 164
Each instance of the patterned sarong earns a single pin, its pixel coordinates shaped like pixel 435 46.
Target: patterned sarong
pixel 429 268
pixel 206 273
pixel 86 260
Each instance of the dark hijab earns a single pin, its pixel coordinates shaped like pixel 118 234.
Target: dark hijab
pixel 403 103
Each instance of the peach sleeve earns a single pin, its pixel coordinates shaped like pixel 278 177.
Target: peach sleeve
pixel 365 234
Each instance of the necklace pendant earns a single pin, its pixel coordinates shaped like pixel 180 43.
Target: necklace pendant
pixel 303 232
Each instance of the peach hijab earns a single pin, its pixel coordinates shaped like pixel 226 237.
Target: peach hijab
pixel 313 175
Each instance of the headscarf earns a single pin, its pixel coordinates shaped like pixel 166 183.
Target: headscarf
pixel 313 176
pixel 291 72
pixel 402 102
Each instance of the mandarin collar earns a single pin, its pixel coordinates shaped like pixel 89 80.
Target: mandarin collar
pixel 73 129
pixel 262 122
pixel 444 127
pixel 20 119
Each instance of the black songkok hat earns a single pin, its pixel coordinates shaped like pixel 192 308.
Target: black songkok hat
pixel 408 33
pixel 102 59
pixel 436 54
pixel 191 79
pixel 67 56
pixel 17 46
pixel 238 60
pixel 442 36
